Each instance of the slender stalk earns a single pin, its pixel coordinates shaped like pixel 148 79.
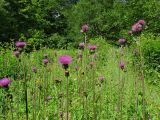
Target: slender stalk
pixel 94 94
pixel 34 100
pixel 142 80
pixel 25 90
pixel 67 95
pixel 39 97
pixel 135 87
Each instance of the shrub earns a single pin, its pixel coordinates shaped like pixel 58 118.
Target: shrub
pixel 151 53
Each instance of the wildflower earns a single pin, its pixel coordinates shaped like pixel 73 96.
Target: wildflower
pixel 136 27
pixel 139 26
pixel 85 28
pixel 16 53
pixel 130 32
pixel 34 69
pixel 49 98
pixel 45 55
pixel 101 79
pixel 45 61
pixel 92 48
pixel 142 22
pixel 91 64
pixel 65 60
pixel 4 82
pixel 122 65
pixel 61 114
pixel 20 44
pixel 81 45
pixel 121 40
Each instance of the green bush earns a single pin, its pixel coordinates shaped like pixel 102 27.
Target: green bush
pixel 55 41
pixel 151 53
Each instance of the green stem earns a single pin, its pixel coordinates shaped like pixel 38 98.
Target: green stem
pixel 67 94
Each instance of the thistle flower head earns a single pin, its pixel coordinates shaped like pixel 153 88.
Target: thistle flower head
pixel 142 22
pixel 85 28
pixel 101 79
pixel 45 55
pixel 121 40
pixel 4 82
pixel 91 64
pixel 139 26
pixel 16 53
pixel 81 45
pixel 49 98
pixel 122 65
pixel 92 47
pixel 45 61
pixel 34 69
pixel 20 44
pixel 130 32
pixel 136 27
pixel 65 59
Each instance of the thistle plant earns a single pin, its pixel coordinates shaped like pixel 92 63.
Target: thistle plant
pixel 4 83
pixel 65 60
pixel 136 29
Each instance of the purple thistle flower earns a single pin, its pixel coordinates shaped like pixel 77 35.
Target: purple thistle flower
pixel 142 22
pixel 91 64
pixel 85 28
pixel 130 32
pixel 49 98
pixel 101 79
pixel 34 69
pixel 81 45
pixel 122 65
pixel 4 82
pixel 61 114
pixel 137 27
pixel 45 55
pixel 20 44
pixel 65 59
pixel 45 61
pixel 121 40
pixel 92 48
pixel 16 53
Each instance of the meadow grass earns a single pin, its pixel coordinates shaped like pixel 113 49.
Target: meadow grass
pixel 117 98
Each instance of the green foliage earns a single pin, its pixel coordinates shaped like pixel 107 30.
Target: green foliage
pixel 54 41
pixel 110 19
pixel 151 52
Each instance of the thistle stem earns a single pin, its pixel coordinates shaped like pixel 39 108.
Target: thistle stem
pixel 67 95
